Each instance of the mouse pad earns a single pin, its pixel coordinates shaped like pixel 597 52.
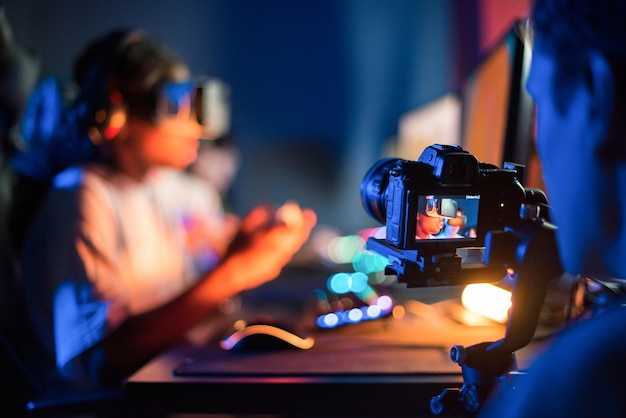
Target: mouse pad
pixel 388 346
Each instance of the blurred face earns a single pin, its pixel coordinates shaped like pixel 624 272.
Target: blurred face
pixel 172 142
pixel 172 139
pixel 566 142
pixel 427 225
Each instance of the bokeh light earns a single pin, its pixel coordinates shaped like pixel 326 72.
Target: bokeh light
pixel 339 283
pixel 342 250
pixel 329 320
pixel 355 315
pixel 368 271
pixel 368 262
pixel 373 311
pixel 384 302
pixel 343 282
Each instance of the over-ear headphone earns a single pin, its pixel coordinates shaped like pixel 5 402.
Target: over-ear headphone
pixel 106 111
pixel 109 119
pixel 126 74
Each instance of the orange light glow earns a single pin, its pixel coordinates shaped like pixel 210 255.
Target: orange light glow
pixel 488 300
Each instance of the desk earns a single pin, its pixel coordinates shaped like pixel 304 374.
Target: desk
pixel 387 367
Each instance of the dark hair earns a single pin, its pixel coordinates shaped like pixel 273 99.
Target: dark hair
pixel 128 63
pixel 584 24
pixel 569 29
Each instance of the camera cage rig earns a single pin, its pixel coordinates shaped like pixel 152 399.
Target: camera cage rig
pixel 528 247
pixel 523 247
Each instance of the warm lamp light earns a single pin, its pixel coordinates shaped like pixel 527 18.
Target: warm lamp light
pixel 488 300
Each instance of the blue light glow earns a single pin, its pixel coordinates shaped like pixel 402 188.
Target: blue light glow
pixel 358 282
pixel 355 315
pixel 68 179
pixel 369 262
pixel 340 283
pixel 373 311
pixel 329 320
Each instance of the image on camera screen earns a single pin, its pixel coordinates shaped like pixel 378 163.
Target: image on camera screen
pixel 447 217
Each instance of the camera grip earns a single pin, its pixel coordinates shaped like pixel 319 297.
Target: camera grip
pixel 535 261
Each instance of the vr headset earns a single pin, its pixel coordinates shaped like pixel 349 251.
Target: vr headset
pixel 205 99
pixel 441 208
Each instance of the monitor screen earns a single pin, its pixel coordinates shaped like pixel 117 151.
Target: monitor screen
pixel 448 217
pixel 497 111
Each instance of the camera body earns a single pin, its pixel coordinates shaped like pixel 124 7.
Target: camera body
pixel 446 183
pixel 442 212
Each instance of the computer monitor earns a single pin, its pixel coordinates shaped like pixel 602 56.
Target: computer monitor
pixel 497 112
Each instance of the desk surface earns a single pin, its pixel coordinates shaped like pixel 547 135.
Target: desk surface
pixel 386 367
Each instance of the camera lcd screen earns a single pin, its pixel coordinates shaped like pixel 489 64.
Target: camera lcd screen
pixel 447 217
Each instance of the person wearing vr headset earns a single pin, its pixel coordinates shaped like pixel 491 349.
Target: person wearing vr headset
pixel 428 226
pixel 129 251
pixel 430 220
pixel 578 81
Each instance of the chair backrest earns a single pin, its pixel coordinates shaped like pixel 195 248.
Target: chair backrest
pixel 16 385
pixel 21 394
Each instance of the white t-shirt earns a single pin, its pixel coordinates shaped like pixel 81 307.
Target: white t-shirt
pixel 105 247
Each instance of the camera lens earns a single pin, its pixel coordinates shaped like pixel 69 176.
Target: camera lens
pixel 373 187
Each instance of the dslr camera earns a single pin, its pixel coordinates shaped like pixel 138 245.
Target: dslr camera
pixel 438 211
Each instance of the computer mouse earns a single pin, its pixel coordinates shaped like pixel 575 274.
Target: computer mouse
pixel 265 335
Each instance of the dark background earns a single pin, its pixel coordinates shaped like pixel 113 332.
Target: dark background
pixel 318 86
